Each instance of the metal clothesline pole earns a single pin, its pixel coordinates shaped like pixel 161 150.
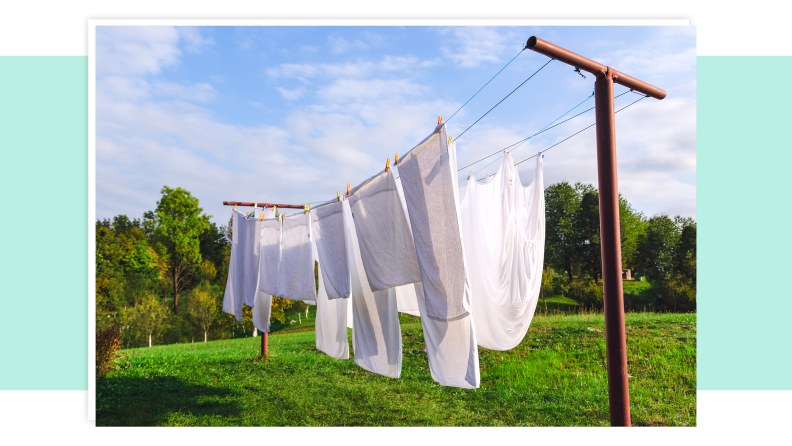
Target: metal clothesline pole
pixel 610 237
pixel 261 204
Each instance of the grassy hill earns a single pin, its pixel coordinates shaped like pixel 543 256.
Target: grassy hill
pixel 555 377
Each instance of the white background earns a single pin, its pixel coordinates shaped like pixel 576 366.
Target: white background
pixel 724 29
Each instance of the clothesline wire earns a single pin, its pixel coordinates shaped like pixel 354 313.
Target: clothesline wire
pixel 499 102
pixel 581 131
pixel 526 139
pixel 479 91
pixel 537 133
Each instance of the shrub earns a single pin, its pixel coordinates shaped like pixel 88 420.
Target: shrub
pixel 108 342
pixel 588 293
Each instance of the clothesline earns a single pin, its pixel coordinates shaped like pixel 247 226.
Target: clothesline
pixel 568 137
pixel 539 132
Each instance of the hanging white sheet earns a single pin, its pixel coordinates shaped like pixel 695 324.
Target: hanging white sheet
pixel 383 233
pixel 328 235
pixel 270 255
pixel 232 298
pixel 430 191
pixel 376 334
pixel 503 228
pixel 296 271
pixel 331 320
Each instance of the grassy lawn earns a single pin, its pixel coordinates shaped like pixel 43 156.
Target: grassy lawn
pixel 555 377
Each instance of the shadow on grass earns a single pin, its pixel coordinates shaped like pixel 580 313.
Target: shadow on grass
pixel 138 401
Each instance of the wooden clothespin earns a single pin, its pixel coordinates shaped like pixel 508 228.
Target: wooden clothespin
pixel 387 166
pixel 338 194
pixel 470 174
pixel 439 119
pixel 349 186
pixel 395 159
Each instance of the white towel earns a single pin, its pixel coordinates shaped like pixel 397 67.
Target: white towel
pixel 296 272
pixel 376 334
pixel 250 242
pixel 270 255
pixel 386 247
pixel 503 228
pixel 428 174
pixel 331 320
pixel 232 298
pixel 328 233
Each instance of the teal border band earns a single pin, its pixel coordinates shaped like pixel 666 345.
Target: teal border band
pixel 743 159
pixel 743 171
pixel 44 189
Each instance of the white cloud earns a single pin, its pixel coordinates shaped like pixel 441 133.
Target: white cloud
pixel 368 90
pixel 341 45
pixel 194 41
pixel 292 95
pixel 475 45
pixel 199 92
pixel 135 50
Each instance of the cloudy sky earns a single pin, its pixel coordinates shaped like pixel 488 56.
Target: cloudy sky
pixel 293 114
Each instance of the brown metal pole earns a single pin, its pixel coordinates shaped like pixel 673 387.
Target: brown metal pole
pixel 595 68
pixel 264 344
pixel 262 204
pixel 610 238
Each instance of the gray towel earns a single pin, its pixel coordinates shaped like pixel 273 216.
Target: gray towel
pixel 383 233
pixel 328 232
pixel 430 191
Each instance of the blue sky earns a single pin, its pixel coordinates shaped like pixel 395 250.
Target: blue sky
pixel 292 114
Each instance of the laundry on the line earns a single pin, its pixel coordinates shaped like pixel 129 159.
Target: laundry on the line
pixel 503 228
pixel 469 267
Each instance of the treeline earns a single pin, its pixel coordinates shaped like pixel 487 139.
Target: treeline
pixel 160 279
pixel 661 249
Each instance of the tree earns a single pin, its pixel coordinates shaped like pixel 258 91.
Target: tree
pixel 589 252
pixel 213 244
pixel 631 227
pixel 561 204
pixel 177 223
pixel 203 309
pixel 685 255
pixel 656 248
pixel 149 315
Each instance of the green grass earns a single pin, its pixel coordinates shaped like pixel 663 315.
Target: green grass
pixel 556 376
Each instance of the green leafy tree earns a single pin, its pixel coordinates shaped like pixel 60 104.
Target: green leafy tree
pixel 631 227
pixel 561 232
pixel 202 308
pixel 589 254
pixel 149 316
pixel 215 247
pixel 656 248
pixel 177 223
